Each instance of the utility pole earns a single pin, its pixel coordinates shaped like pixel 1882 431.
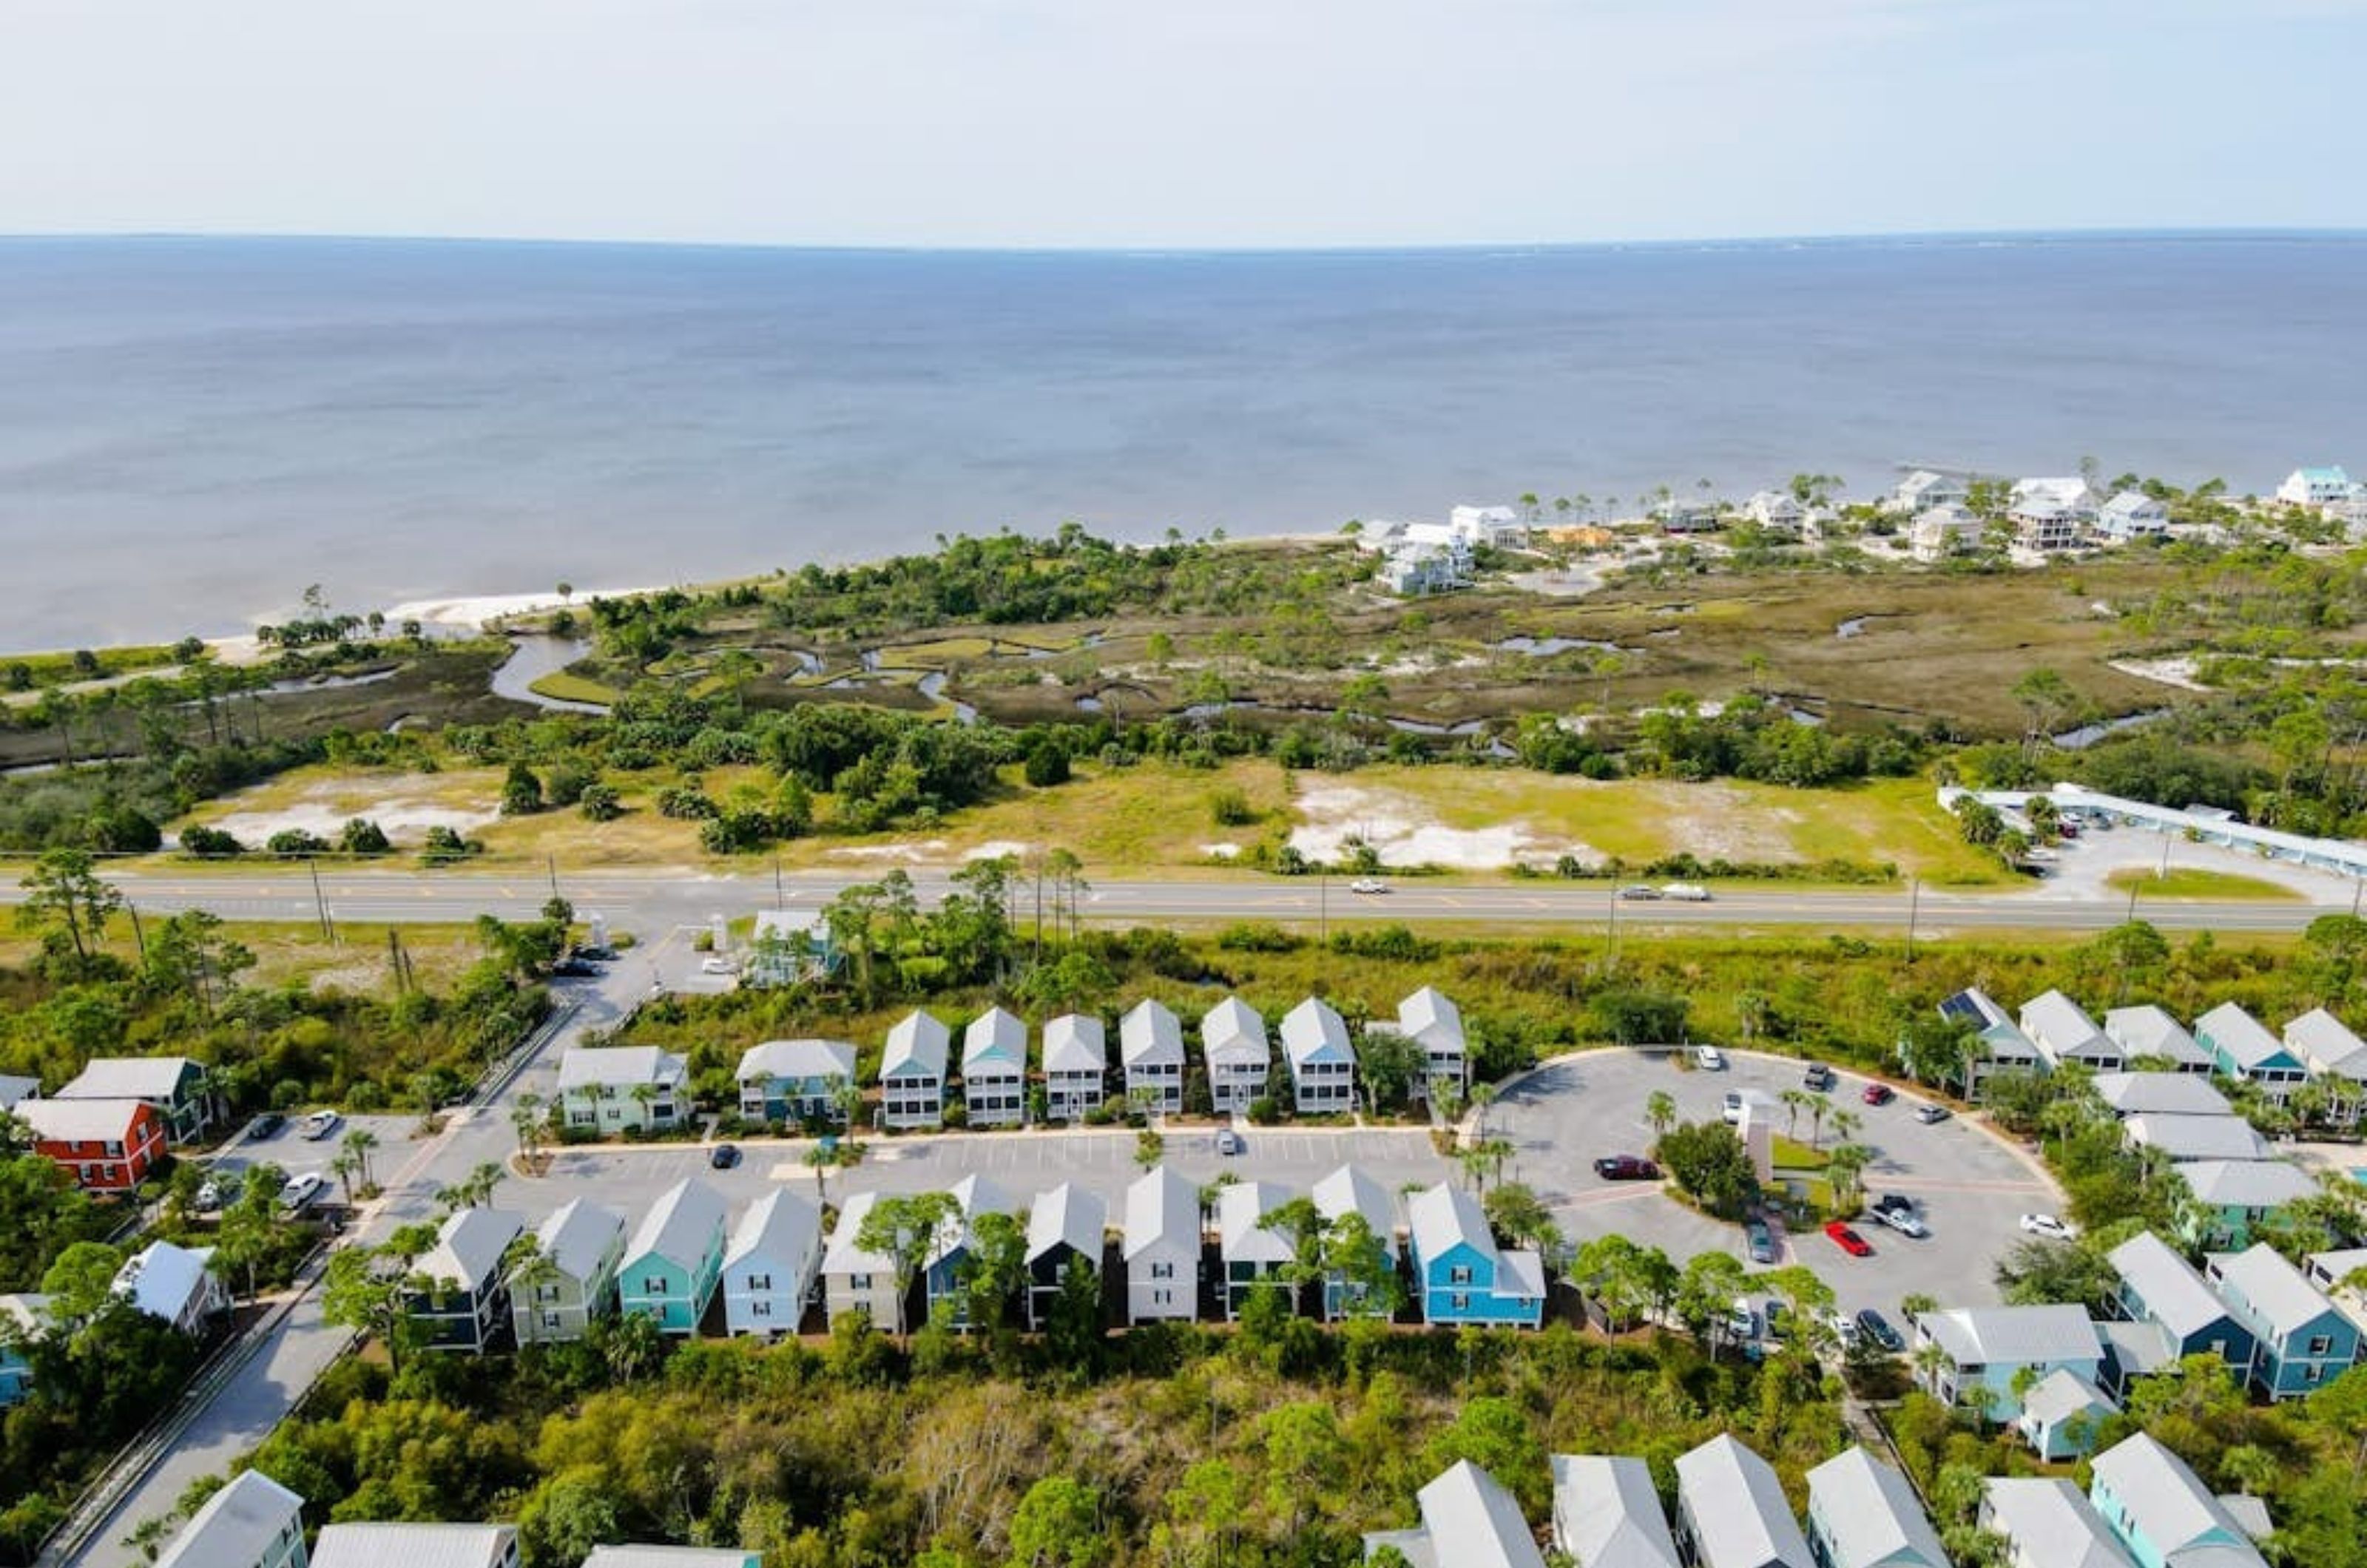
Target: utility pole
pixel 1323 906
pixel 1611 963
pixel 141 937
pixel 321 901
pixel 1914 898
pixel 780 900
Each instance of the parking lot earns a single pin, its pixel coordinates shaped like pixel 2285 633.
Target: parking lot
pixel 1970 1189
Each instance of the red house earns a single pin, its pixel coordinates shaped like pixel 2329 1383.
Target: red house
pixel 106 1145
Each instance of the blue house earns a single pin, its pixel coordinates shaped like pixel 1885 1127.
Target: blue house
pixel 793 1080
pixel 2241 1046
pixel 1346 1191
pixel 2159 1287
pixel 2300 1341
pixel 675 1260
pixel 947 1271
pixel 2161 1511
pixel 1464 1276
pixel 22 1319
pixel 2233 1198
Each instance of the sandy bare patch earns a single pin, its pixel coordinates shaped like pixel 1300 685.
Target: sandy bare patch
pixel 2178 672
pixel 997 848
pixel 910 854
pixel 1220 851
pixel 1396 826
pixel 323 808
pixel 1716 822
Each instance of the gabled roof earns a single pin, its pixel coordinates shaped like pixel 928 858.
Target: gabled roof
pixel 1469 1513
pixel 469 1247
pixel 630 1556
pixel 2061 1395
pixel 2224 1137
pixel 2328 1270
pixel 1313 1032
pixel 130 1077
pixel 2245 1038
pixel 2174 1294
pixel 2169 1503
pixel 1161 1205
pixel 1738 1514
pixel 1241 1209
pixel 2014 1336
pixel 1150 1035
pixel 918 1044
pixel 1607 1513
pixel 160 1279
pixel 617 1066
pixel 780 1227
pixel 2051 1524
pixel 996 1041
pixel 797 1059
pixel 15 1090
pixel 1430 1017
pixel 2062 1030
pixel 2149 1032
pixel 1521 1273
pixel 1233 1033
pixel 2002 1039
pixel 577 1236
pixel 2267 1292
pixel 1076 1043
pixel 412 1546
pixel 1069 1216
pixel 1444 1217
pixel 2174 1094
pixel 844 1256
pixel 2136 1350
pixel 1870 1515
pixel 81 1120
pixel 679 1226
pixel 237 1524
pixel 1350 1191
pixel 973 1195
pixel 2244 1183
pixel 2328 1044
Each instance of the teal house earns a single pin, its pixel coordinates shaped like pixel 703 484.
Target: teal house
pixel 2241 1046
pixel 2233 1198
pixel 675 1261
pixel 1463 1276
pixel 22 1319
pixel 2301 1341
pixel 2161 1512
pixel 795 1080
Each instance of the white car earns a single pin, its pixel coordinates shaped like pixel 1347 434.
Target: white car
pixel 1903 1221
pixel 715 966
pixel 320 1125
pixel 1732 1108
pixel 301 1191
pixel 1368 884
pixel 2049 1226
pixel 1709 1058
pixel 1686 892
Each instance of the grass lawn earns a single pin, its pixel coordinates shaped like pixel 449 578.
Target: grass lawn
pixel 560 686
pixel 288 953
pixel 2195 882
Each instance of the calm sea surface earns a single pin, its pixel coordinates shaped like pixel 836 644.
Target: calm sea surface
pixel 191 431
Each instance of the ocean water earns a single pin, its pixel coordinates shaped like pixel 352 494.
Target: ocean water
pixel 191 431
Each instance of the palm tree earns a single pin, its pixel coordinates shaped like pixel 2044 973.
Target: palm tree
pixel 1483 1095
pixel 1818 1108
pixel 1661 1111
pixel 1794 1101
pixel 346 1165
pixel 359 1143
pixel 529 1268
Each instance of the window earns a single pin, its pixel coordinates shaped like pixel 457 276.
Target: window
pixel 858 1281
pixel 653 1286
pixel 1459 1302
pixel 760 1309
pixel 2320 1344
pixel 760 1282
pixel 550 1320
pixel 1162 1298
pixel 1163 1271
pixel 546 1292
pixel 1459 1275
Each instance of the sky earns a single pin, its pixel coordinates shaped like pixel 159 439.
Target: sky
pixel 1215 123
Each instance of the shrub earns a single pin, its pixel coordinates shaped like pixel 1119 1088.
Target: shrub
pixel 363 836
pixel 295 843
pixel 211 843
pixel 1048 764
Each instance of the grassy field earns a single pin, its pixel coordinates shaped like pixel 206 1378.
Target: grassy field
pixel 2194 882
pixel 562 686
pixel 288 953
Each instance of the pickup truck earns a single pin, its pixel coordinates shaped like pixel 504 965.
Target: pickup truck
pixel 1686 892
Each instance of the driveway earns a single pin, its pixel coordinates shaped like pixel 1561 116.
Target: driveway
pixel 1971 1187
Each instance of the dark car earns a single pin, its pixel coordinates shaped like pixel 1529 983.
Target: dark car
pixel 265 1127
pixel 575 969
pixel 1818 1078
pixel 1627 1167
pixel 1894 1203
pixel 1759 1239
pixel 724 1156
pixel 1876 1328
pixel 1879 1094
pixel 1779 1320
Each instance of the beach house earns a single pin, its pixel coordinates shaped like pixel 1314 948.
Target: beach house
pixel 2159 1287
pixel 2242 1047
pixel 2048 1523
pixel 675 1259
pixel 2234 1197
pixel 1863 1514
pixel 2148 1036
pixel 106 1146
pixel 1923 489
pixel 1065 1228
pixel 1468 1520
pixel 795 1080
pixel 2300 1341
pixel 1997 1043
pixel 2159 1094
pixel 463 1299
pixel 1433 1022
pixel 612 1088
pixel 770 1264
pixel 1776 512
pixel 2337 1060
pixel 1255 1255
pixel 1162 1246
pixel 2315 487
pixel 994 1069
pixel 2221 1136
pixel 1347 1288
pixel 1940 532
pixel 1491 527
pixel 2131 514
pixel 409 1545
pixel 1731 1512
pixel 856 1279
pixel 1463 1275
pixel 2063 1032
pixel 1322 1063
pixel 2161 1511
pixel 568 1281
pixel 1150 1046
pixel 1982 1349
pixel 787 946
pixel 179 1089
pixel 251 1522
pixel 946 1265
pixel 912 1073
pixel 1076 1066
pixel 2061 1416
pixel 1234 1045
pixel 1607 1513
pixel 23 1319
pixel 174 1285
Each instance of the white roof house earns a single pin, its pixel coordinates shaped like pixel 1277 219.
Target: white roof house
pixel 917 1046
pixel 1234 1035
pixel 1924 489
pixel 1075 1043
pixel 2245 1183
pixel 252 1522
pixel 175 1284
pixel 618 1067
pixel 1607 1513
pixel 578 1236
pixel 1161 1247
pixel 2070 492
pixel 680 1227
pixel 2171 1292
pixel 1241 1230
pixel 1431 1020
pixel 156 1078
pixel 2222 1136
pixel 2052 1404
pixel 2327 1046
pixel 1313 1033
pixel 470 1248
pixel 2131 514
pixel 995 1043
pixel 1150 1035
pixel 1939 532
pixel 1068 1215
pixel 2267 1293
pixel 2063 1032
pixel 2161 1094
pixel 1773 509
pixel 1349 1190
pixel 797 1059
pixel 1732 1508
pixel 1867 1516
pixel 2148 1495
pixel 2049 1523
pixel 389 1545
pixel 845 1255
pixel 1468 1520
pixel 2245 1042
pixel 770 1262
pixel 2315 487
pixel 2149 1031
pixel 1497 526
pixel 2016 1335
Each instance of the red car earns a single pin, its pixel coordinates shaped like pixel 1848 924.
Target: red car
pixel 1627 1167
pixel 1848 1240
pixel 1878 1094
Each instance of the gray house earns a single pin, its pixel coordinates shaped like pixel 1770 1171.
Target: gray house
pixel 466 1302
pixel 1607 1513
pixel 1863 1514
pixel 994 1069
pixel 1731 1512
pixel 1234 1039
pixel 2063 1032
pixel 2148 1032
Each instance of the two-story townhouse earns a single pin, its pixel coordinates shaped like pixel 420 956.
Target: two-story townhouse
pixel 2149 1035
pixel 1076 1066
pixel 108 1146
pixel 1607 1513
pixel 795 1080
pixel 408 1545
pixel 2159 1094
pixel 1431 1020
pixel 23 1320
pixel 1463 1275
pixel 2234 1198
pixel 1349 1190
pixel 1065 1228
pixel 605 1091
pixel 676 1258
pixel 1233 1044
pixel 251 1522
pixel 1922 489
pixel 567 1280
pixel 1982 1349
pixel 2159 1287
pixel 2048 1523
pixel 1151 1047
pixel 2315 487
pixel 180 1090
pixel 2162 1513
pixel 2343 1275
pixel 2131 514
pixel 856 1279
pixel 1864 1514
pixel 1731 1512
pixel 770 1264
pixel 1997 1043
pixel 1322 1063
pixel 2061 1416
pixel 2063 1032
pixel 2300 1341
pixel 912 1073
pixel 994 1069
pixel 1162 1246
pixel 945 1269
pixel 1255 1255
pixel 461 1299
pixel 174 1285
pixel 1469 1519
pixel 2242 1047
pixel 2336 1058
pixel 2223 1136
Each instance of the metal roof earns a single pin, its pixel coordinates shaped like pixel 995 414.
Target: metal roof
pixel 2051 1524
pixel 1430 1017
pixel 2175 1296
pixel 2061 1395
pixel 780 1227
pixel 1478 1521
pixel 844 1256
pixel 671 1557
pixel 617 1066
pixel 2245 1038
pixel 2328 1044
pixel 1607 1513
pixel 1444 1217
pixel 1231 1031
pixel 1314 1031
pixel 237 1526
pixel 81 1120
pixel 1736 1509
pixel 2244 1183
pixel 1241 1209
pixel 162 1278
pixel 130 1077
pixel 2267 1292
pixel 1350 1191
pixel 2175 1094
pixel 1161 1204
pixel 577 1236
pixel 1870 1515
pixel 2223 1136
pixel 2014 1336
pixel 2136 1348
pixel 1075 1043
pixel 469 1247
pixel 797 1059
pixel 681 1226
pixel 1149 1036
pixel 2063 1030
pixel 412 1546
pixel 919 1042
pixel 2171 1505
pixel 2149 1032
pixel 1068 1216
pixel 973 1195
pixel 996 1039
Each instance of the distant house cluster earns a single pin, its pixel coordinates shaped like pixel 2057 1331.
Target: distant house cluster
pixel 2329 491
pixel 1419 558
